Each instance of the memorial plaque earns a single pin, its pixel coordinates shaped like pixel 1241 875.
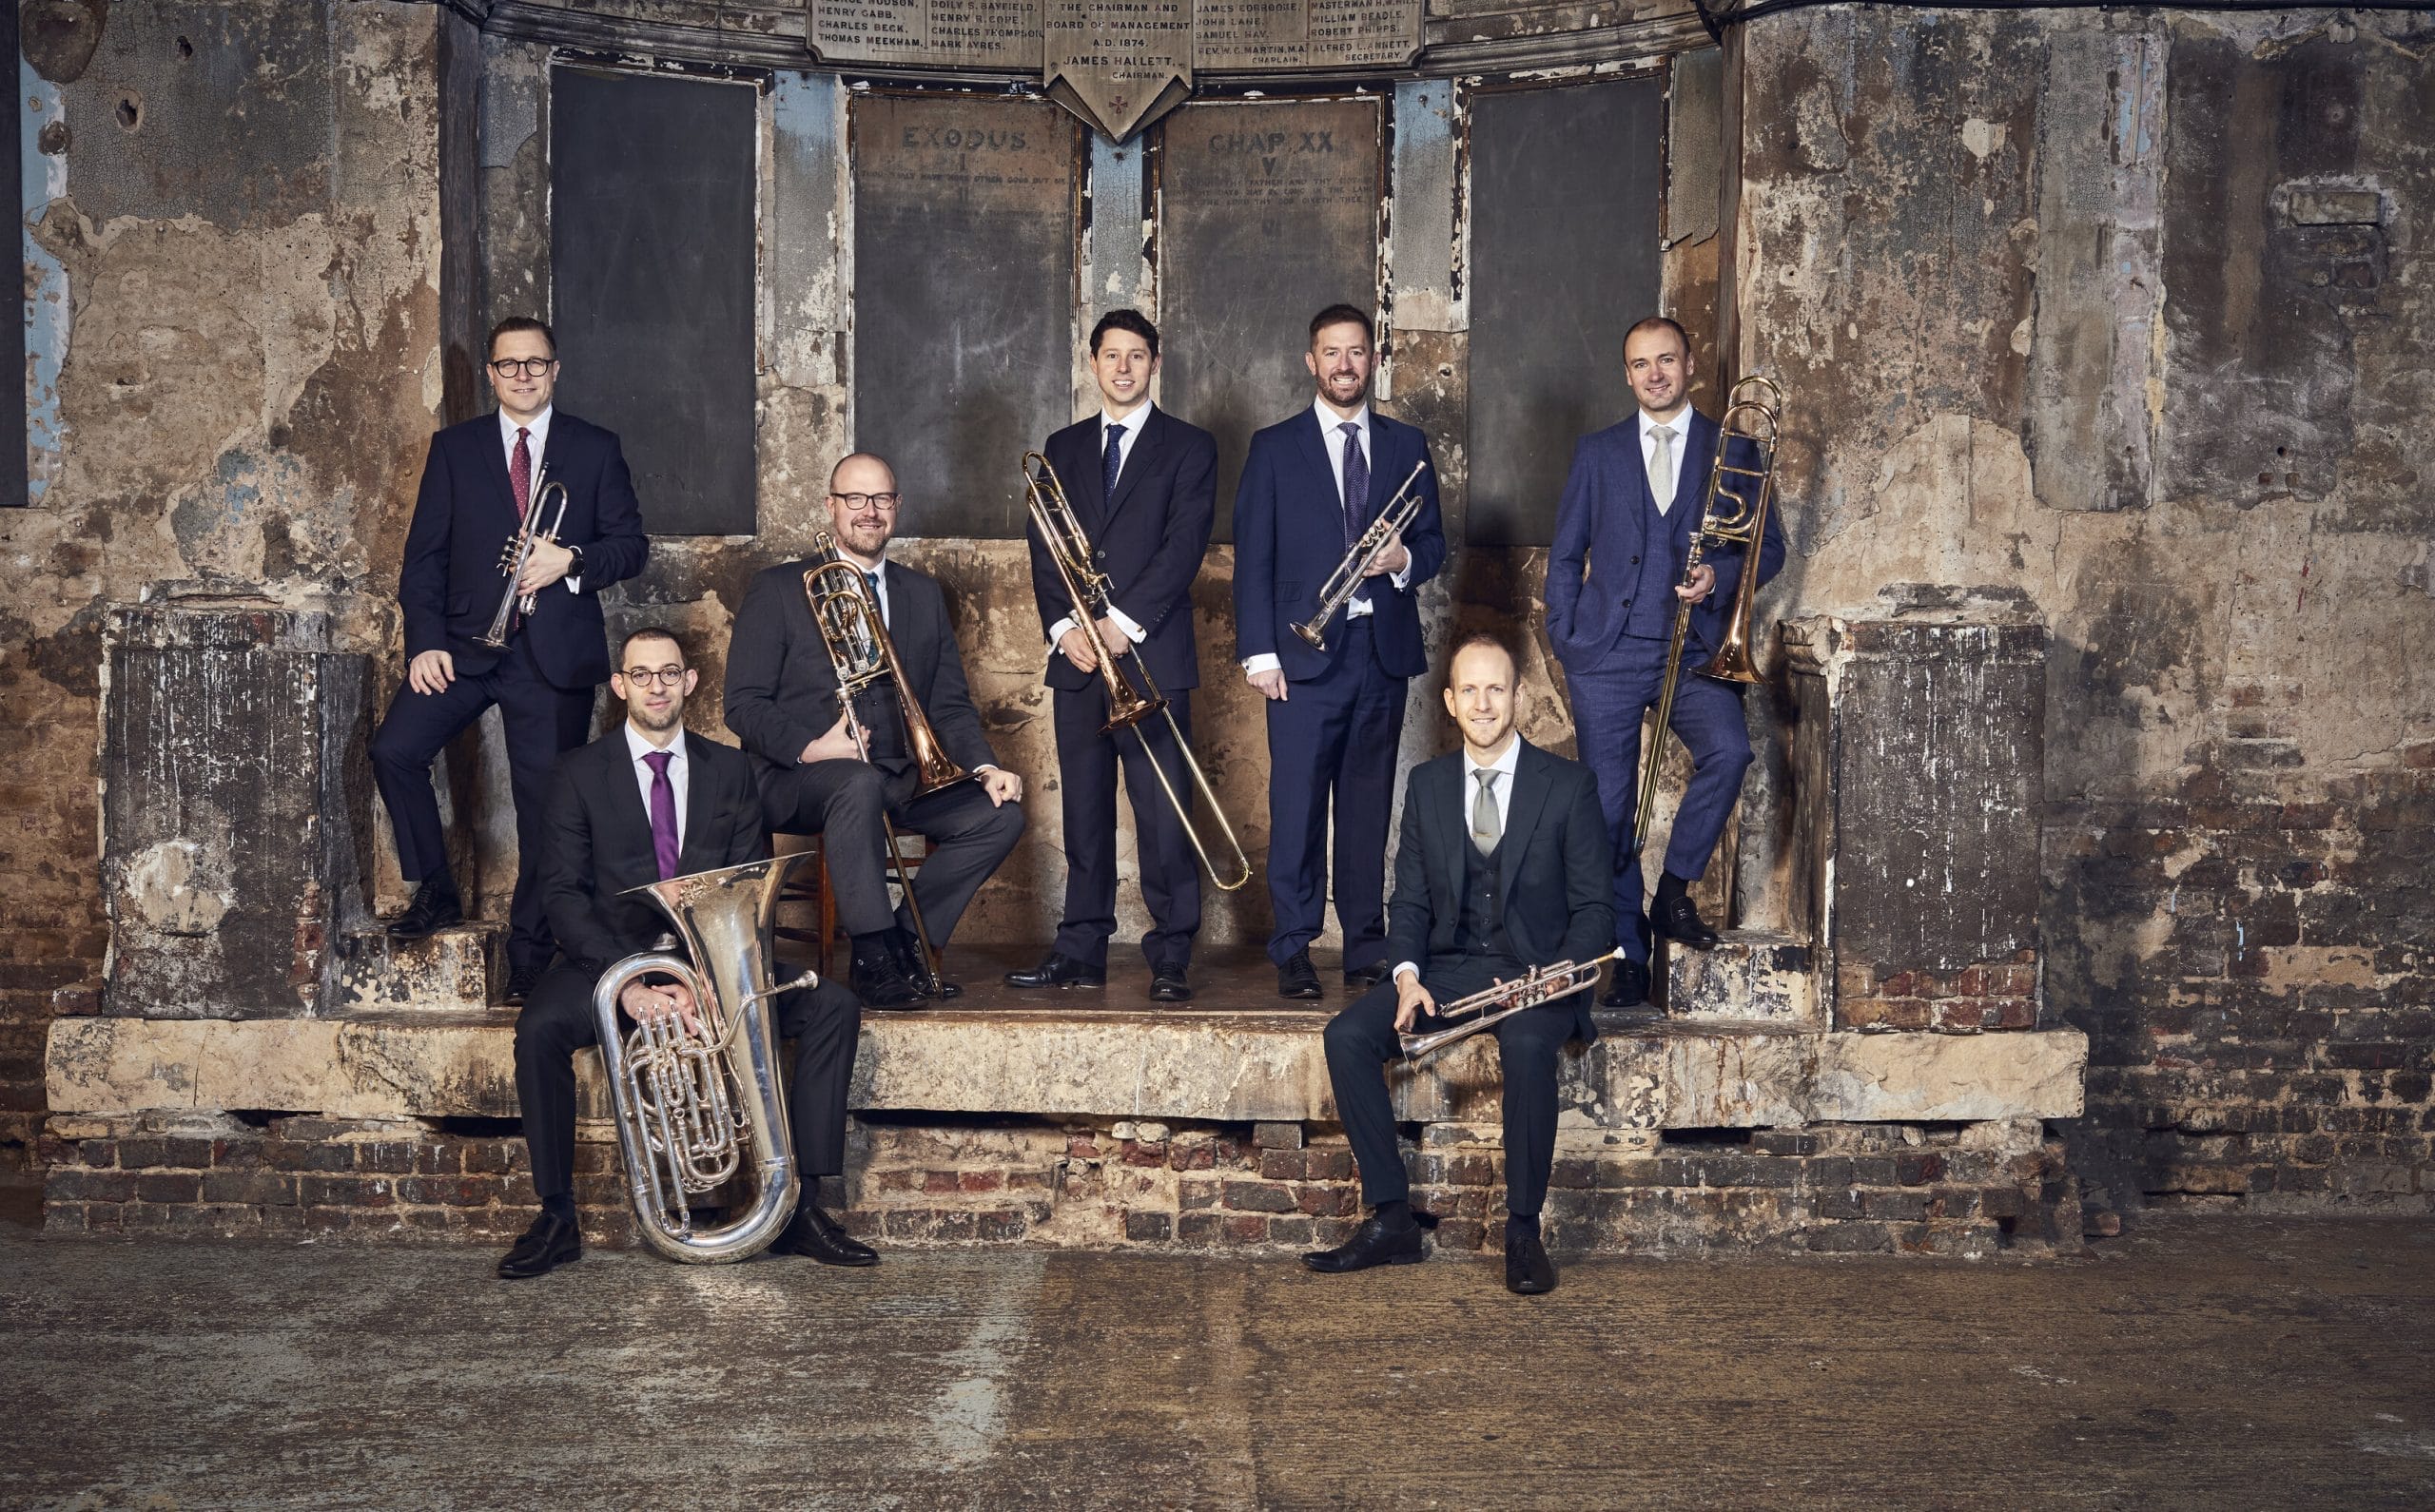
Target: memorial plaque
pixel 1270 213
pixel 1118 63
pixel 964 294
pixel 942 33
pixel 1261 35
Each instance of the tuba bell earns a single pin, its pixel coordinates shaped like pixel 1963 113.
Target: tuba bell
pixel 691 1107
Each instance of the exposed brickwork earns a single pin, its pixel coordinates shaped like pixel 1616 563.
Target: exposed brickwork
pixel 1991 995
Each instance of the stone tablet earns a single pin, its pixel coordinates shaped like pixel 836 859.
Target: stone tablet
pixel 941 33
pixel 1270 214
pixel 1118 63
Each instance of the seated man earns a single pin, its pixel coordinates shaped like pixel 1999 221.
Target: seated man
pixel 782 704
pixel 646 802
pixel 1503 866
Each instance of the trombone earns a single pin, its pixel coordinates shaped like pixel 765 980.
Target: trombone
pixel 512 556
pixel 861 653
pixel 1491 1005
pixel 1353 572
pixel 1070 549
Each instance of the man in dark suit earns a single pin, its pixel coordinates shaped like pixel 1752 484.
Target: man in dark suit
pixel 1142 485
pixel 1623 531
pixel 481 479
pixel 646 802
pixel 1310 486
pixel 1503 866
pixel 782 704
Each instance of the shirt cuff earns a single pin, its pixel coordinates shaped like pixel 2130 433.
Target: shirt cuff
pixel 1401 576
pixel 1397 976
pixel 1133 632
pixel 1264 662
pixel 574 585
pixel 1057 632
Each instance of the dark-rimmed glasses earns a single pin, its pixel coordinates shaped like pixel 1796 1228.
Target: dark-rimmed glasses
pixel 856 501
pixel 655 676
pixel 508 367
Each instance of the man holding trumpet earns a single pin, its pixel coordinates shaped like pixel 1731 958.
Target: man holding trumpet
pixel 1503 867
pixel 1336 484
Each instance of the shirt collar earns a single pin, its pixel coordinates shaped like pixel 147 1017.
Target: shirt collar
pixel 540 426
pixel 1651 424
pixel 1132 422
pixel 1328 421
pixel 637 747
pixel 1506 764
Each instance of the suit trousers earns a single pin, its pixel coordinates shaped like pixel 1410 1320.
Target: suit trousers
pixel 541 722
pixel 1361 1040
pixel 825 1022
pixel 1087 762
pixel 1608 704
pixel 841 801
pixel 1333 736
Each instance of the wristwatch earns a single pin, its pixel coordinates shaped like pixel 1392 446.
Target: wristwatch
pixel 574 568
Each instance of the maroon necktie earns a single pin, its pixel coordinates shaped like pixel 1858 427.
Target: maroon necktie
pixel 663 814
pixel 519 474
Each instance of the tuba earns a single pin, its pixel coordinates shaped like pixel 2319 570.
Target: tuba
pixel 691 1105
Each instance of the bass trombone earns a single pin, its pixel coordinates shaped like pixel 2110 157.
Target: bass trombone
pixel 1354 571
pixel 512 558
pixel 1491 1005
pixel 1069 547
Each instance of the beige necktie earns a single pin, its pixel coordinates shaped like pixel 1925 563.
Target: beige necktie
pixel 1486 828
pixel 1661 469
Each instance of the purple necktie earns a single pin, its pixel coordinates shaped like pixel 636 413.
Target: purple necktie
pixel 1357 484
pixel 663 814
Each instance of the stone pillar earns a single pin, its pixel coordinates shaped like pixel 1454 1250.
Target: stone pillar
pixel 234 787
pixel 1918 759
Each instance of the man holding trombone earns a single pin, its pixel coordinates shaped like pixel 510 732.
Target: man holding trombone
pixel 1336 484
pixel 1503 874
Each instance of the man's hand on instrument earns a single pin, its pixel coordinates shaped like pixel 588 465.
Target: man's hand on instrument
pixel 1412 1000
pixel 645 1003
pixel 1001 785
pixel 431 671
pixel 548 563
pixel 837 745
pixel 1076 644
pixel 1391 557
pixel 1271 682
pixel 1112 635
pixel 1703 583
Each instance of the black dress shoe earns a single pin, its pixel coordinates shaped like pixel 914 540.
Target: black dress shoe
pixel 434 909
pixel 1674 915
pixel 1372 1244
pixel 1628 988
pixel 1361 978
pixel 1059 971
pixel 550 1242
pixel 519 985
pixel 1168 984
pixel 1528 1272
pixel 876 980
pixel 907 947
pixel 816 1235
pixel 1298 978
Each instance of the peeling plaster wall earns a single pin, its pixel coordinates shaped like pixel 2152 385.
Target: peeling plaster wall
pixel 233 246
pixel 2129 314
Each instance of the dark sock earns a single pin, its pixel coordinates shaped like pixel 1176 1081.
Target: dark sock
pixel 1671 884
pixel 880 945
pixel 1395 1216
pixel 560 1206
pixel 1517 1224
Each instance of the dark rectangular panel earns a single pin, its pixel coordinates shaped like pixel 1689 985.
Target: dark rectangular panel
pixel 651 190
pixel 1564 186
pixel 964 297
pixel 1270 214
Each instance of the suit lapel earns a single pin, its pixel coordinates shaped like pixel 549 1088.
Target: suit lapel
pixel 1521 815
pixel 1316 450
pixel 1138 461
pixel 1445 800
pixel 1088 493
pixel 697 806
pixel 1386 467
pixel 494 467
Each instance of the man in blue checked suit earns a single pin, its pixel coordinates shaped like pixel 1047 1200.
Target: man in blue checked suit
pixel 1615 576
pixel 1310 486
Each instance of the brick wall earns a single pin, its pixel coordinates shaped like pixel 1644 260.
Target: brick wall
pixel 1991 995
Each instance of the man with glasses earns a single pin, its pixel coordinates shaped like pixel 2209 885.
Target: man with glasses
pixel 483 478
pixel 646 802
pixel 815 779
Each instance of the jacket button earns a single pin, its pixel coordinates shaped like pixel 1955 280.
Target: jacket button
pixel 1635 561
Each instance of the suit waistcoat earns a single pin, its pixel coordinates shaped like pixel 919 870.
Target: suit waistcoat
pixel 1649 588
pixel 1480 928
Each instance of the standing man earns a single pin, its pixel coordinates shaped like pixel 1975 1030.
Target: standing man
pixel 1142 485
pixel 1623 531
pixel 1503 867
pixel 646 802
pixel 481 480
pixel 1310 486
pixel 782 704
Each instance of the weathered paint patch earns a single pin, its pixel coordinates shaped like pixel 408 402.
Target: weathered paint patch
pixel 43 177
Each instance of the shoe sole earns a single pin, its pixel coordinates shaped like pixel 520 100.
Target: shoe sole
pixel 1394 1260
pixel 1301 994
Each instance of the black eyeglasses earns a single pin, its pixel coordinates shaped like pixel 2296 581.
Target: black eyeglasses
pixel 509 367
pixel 658 677
pixel 855 501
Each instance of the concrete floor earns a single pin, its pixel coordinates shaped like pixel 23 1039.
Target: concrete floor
pixel 2200 1363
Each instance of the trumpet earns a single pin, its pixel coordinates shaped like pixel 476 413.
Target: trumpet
pixel 518 552
pixel 1488 1006
pixel 1351 573
pixel 861 653
pixel 1086 586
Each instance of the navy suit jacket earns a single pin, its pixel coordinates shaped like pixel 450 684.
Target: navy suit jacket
pixel 1289 537
pixel 1601 533
pixel 465 514
pixel 1150 540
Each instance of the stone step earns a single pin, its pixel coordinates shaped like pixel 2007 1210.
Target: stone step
pixel 460 968
pixel 1751 976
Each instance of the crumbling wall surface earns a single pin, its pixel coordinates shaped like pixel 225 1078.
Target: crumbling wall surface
pixel 2129 314
pixel 232 254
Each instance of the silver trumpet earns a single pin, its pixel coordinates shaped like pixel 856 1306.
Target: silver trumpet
pixel 690 1105
pixel 518 552
pixel 1351 573
pixel 1485 1008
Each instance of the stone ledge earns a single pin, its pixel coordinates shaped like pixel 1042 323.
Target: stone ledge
pixel 1224 1067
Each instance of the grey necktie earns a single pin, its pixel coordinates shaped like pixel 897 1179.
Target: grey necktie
pixel 1487 830
pixel 1661 469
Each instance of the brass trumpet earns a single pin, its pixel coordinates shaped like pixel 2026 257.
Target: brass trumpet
pixel 518 552
pixel 1488 1006
pixel 861 653
pixel 1353 572
pixel 1069 547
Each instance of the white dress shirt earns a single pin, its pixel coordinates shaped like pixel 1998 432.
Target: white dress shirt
pixel 1506 765
pixel 1131 425
pixel 1680 427
pixel 1332 432
pixel 537 445
pixel 638 747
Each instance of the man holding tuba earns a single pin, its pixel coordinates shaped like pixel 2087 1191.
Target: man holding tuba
pixel 646 802
pixel 1502 867
pixel 1142 486
pixel 818 777
pixel 1615 576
